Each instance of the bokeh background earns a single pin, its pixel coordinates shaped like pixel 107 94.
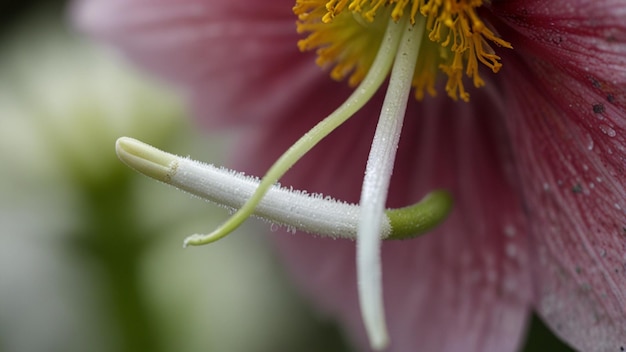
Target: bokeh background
pixel 90 252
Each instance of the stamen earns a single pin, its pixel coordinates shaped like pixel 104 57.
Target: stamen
pixel 376 184
pixel 359 97
pixel 344 32
pixel 311 213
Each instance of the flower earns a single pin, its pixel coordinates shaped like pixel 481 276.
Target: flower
pixel 535 160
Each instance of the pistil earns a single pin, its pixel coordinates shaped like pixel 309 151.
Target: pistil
pixel 293 209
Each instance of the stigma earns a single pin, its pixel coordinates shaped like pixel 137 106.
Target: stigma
pixel 346 35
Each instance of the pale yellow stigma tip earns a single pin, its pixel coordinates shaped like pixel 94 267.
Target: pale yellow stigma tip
pixel 146 159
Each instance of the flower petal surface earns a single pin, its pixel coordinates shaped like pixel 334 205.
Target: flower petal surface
pixel 233 57
pixel 567 98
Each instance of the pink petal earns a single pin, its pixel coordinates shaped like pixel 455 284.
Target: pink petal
pixel 585 38
pixel 222 52
pixel 572 158
pixel 463 287
pixel 568 117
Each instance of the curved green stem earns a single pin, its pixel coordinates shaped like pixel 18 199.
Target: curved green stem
pixel 414 220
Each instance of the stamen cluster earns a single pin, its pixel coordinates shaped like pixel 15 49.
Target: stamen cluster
pixel 347 33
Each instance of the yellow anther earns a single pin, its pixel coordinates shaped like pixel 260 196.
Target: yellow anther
pixel 347 33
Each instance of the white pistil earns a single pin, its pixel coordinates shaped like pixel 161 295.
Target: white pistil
pixel 376 184
pixel 297 210
pixel 312 213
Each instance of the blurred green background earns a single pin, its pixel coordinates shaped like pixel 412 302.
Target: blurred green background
pixel 90 252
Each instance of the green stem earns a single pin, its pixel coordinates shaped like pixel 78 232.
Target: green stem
pixel 417 219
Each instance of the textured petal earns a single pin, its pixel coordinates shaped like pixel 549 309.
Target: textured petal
pixel 585 38
pixel 572 158
pixel 568 122
pixel 463 287
pixel 222 52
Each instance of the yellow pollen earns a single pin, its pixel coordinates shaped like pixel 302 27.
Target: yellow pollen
pixel 346 35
